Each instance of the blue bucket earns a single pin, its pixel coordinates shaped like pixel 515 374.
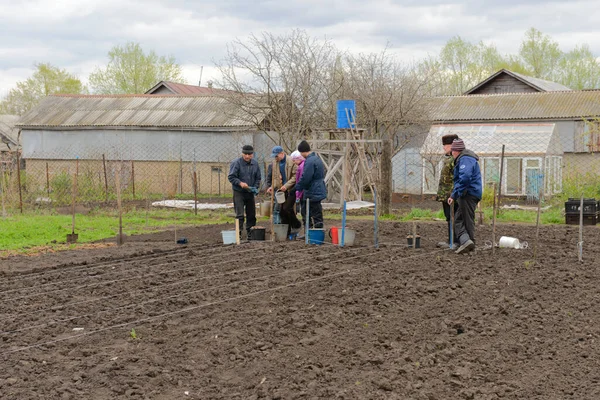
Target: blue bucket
pixel 316 236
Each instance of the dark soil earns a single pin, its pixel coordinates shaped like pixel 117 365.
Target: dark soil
pixel 290 321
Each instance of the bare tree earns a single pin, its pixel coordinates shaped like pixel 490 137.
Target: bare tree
pixel 289 79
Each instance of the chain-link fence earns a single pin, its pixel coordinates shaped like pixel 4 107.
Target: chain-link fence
pixel 523 163
pixel 540 161
pixel 145 172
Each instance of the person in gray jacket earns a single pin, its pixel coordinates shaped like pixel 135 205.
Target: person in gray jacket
pixel 244 175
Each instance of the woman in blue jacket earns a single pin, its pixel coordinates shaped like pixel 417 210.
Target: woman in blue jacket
pixel 313 184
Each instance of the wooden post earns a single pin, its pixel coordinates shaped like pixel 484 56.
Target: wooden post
pixel 500 179
pixel 494 223
pixel 118 187
pixel 19 181
pixel 385 192
pixel 537 224
pixel 133 179
pixel 237 231
pixel 75 189
pixel 105 177
pixel 196 194
pixel 48 180
pixel 180 175
pixel 580 243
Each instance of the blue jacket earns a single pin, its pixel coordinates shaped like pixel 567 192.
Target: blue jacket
pixel 467 175
pixel 241 171
pixel 313 179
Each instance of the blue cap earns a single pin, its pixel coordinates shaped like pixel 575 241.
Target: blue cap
pixel 276 150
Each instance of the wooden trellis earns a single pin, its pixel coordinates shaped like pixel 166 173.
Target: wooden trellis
pixel 347 167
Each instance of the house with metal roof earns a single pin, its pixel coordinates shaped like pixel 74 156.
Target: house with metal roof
pixel 8 133
pixel 528 164
pixel 162 138
pixel 508 99
pixel 167 87
pixel 505 81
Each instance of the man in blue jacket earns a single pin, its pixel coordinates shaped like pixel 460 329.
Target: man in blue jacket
pixel 467 193
pixel 313 184
pixel 244 175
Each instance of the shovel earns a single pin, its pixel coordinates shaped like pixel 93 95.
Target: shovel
pixel 72 237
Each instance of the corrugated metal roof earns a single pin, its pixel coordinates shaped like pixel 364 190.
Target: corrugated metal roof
pixel 487 139
pixel 536 83
pixel 183 89
pixel 138 111
pixel 575 104
pixel 542 84
pixel 8 131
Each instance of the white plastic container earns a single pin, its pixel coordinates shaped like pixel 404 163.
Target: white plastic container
pixel 510 242
pixel 228 237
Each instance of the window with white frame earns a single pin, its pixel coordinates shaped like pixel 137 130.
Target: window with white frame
pixel 514 176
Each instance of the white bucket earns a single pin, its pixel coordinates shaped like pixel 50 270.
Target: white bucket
pixel 349 237
pixel 228 237
pixel 511 243
pixel 280 197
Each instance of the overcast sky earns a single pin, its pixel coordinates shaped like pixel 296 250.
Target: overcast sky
pixel 77 34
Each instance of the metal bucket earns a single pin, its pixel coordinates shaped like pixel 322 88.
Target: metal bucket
pixel 265 208
pixel 280 231
pixel 349 237
pixel 280 197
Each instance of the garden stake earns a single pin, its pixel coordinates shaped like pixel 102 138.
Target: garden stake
pixel 237 231
pixel 307 226
pixel 47 180
pixel 376 225
pixel 19 177
pixel 120 238
pixel 105 177
pixel 580 243
pixel 343 225
pixel 452 226
pixel 537 225
pixel 132 180
pixel 493 222
pixel 195 194
pixel 72 237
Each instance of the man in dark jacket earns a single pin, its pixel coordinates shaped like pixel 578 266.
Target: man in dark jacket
pixel 313 184
pixel 244 175
pixel 446 184
pixel 467 193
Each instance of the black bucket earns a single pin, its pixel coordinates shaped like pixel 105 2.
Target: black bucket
pixel 257 233
pixel 409 241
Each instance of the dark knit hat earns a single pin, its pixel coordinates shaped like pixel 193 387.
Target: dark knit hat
pixel 247 149
pixel 448 139
pixel 304 147
pixel 457 145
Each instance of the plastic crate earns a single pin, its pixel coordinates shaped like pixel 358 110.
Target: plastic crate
pixel 590 206
pixel 573 219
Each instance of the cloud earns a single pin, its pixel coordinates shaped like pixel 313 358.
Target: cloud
pixel 77 34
